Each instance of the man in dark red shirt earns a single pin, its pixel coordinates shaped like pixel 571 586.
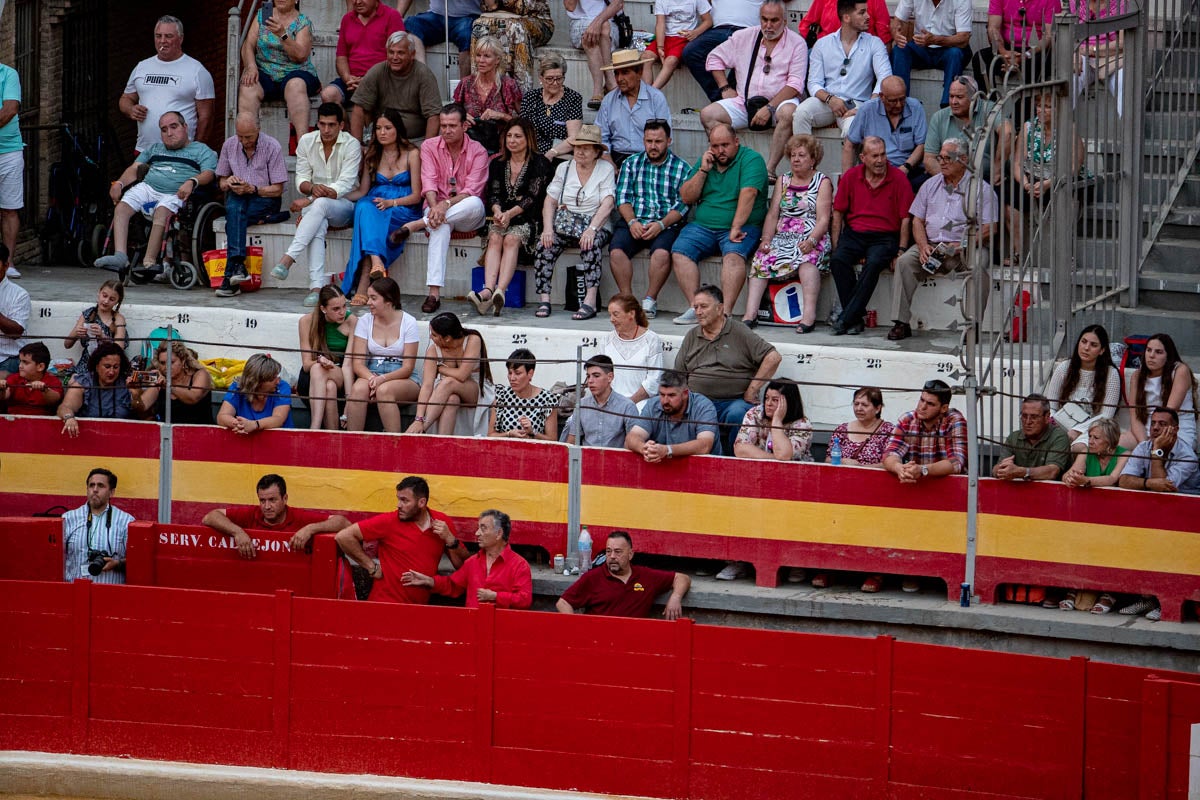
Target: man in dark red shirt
pixel 271 514
pixel 412 538
pixel 493 575
pixel 870 220
pixel 623 589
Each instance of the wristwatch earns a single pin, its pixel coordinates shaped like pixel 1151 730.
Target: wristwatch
pixel 1158 453
pixel 454 543
pixel 924 471
pixel 670 451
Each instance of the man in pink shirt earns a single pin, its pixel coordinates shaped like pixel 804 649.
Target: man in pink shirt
pixel 362 43
pixel 493 575
pixel 454 170
pixel 771 63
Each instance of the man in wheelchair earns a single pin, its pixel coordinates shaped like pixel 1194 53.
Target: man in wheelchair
pixel 159 181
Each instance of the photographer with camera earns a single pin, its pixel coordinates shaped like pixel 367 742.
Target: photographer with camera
pixel 94 534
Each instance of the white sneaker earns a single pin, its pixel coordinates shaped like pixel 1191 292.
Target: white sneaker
pixel 13 272
pixel 732 571
pixel 686 318
pixel 650 306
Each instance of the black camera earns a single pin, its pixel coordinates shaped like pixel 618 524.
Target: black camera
pixel 96 561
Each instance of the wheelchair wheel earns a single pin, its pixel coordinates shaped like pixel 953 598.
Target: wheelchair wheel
pixel 183 275
pixel 203 238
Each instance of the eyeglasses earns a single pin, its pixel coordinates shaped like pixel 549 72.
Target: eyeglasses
pixel 845 64
pixel 553 78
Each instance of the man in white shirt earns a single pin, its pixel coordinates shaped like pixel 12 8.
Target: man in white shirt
pixel 844 70
pixel 15 308
pixel 96 533
pixel 728 17
pixel 327 162
pixel 170 81
pixel 931 34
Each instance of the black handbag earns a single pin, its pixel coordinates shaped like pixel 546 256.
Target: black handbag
pixel 624 29
pixel 758 102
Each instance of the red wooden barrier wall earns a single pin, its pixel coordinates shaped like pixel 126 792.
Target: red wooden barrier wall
pixel 596 704
pixel 32 548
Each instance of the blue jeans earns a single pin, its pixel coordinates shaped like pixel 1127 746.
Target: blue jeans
pixel 696 54
pixel 879 249
pixel 240 209
pixel 430 28
pixel 730 413
pixel 950 60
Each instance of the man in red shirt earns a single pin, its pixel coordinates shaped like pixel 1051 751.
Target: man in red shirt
pixel 31 390
pixel 623 589
pixel 361 44
pixel 271 514
pixel 870 220
pixel 493 575
pixel 410 540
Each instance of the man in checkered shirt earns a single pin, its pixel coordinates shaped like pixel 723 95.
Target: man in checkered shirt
pixel 930 442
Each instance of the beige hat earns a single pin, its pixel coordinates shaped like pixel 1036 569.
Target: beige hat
pixel 588 134
pixel 623 59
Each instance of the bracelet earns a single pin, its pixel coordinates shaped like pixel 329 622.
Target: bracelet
pixel 257 425
pixel 418 419
pixel 68 416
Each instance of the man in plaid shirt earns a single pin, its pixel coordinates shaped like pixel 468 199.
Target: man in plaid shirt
pixel 930 442
pixel 651 211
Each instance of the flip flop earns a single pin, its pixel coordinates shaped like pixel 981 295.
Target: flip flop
pixel 585 312
pixel 360 299
pixel 543 311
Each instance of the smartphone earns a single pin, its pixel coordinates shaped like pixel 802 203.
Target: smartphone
pixel 145 377
pixel 268 9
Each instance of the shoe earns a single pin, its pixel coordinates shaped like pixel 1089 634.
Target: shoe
pixel 585 312
pixel 821 580
pixel 901 330
pixel 872 584
pixel 686 318
pixel 796 575
pixel 1067 603
pixel 399 235
pixel 228 290
pixel 497 303
pixel 116 262
pixel 594 103
pixel 376 273
pixel 650 306
pixel 13 272
pixel 543 311
pixel 312 298
pixel 732 571
pixel 1138 607
pixel 1155 614
pixel 1104 604
pixel 910 585
pixel 476 301
pixel 802 328
pixel 751 323
pixel 279 272
pixel 236 273
pixel 431 304
pixel 855 329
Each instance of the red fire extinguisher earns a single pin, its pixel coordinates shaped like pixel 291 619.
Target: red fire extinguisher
pixel 1020 319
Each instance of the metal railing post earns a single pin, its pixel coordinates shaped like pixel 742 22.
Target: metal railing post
pixel 1063 267
pixel 166 441
pixel 233 61
pixel 575 466
pixel 1132 195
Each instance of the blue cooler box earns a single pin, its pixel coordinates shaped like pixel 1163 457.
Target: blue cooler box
pixel 514 296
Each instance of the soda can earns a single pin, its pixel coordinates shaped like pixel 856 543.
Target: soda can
pixel 964 598
pixel 872 318
pixel 559 563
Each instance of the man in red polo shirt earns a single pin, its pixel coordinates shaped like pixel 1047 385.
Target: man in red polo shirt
pixel 411 539
pixel 493 575
pixel 623 589
pixel 271 514
pixel 362 43
pixel 870 220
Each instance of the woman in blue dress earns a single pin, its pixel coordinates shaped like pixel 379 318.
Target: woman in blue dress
pixel 388 196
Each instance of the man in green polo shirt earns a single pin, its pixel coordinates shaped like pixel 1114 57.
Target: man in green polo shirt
pixel 728 196
pixel 965 113
pixel 1040 450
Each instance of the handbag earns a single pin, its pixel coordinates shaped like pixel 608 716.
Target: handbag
pixel 624 28
pixel 566 222
pixel 758 102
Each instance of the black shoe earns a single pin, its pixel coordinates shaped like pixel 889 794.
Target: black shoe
pixel 228 289
pixel 838 330
pixel 901 330
pixel 855 329
pixel 751 323
pixel 235 272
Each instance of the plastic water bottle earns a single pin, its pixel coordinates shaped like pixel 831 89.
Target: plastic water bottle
pixel 835 452
pixel 585 550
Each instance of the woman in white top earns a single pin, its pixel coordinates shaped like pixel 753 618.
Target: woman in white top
pixel 578 203
pixel 456 360
pixel 1085 387
pixel 636 351
pixel 381 360
pixel 1164 379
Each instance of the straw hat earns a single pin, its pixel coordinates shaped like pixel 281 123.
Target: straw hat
pixel 623 59
pixel 588 134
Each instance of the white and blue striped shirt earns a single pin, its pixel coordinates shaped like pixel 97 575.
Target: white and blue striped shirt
pixel 83 531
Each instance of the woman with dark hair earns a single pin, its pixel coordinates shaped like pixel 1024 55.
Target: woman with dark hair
pixel 191 387
pixel 259 399
pixel 776 428
pixel 1163 379
pixel 457 356
pixel 102 322
pixel 388 196
pixel 101 392
pixel 636 351
pixel 523 410
pixel 383 359
pixel 324 335
pixel 1085 387
pixel 516 189
pixel 863 438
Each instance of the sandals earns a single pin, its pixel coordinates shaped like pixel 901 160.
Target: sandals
pixel 872 584
pixel 802 328
pixel 399 235
pixel 497 303
pixel 359 301
pixel 585 312
pixel 481 305
pixel 1068 602
pixel 543 311
pixel 1104 604
pixel 376 273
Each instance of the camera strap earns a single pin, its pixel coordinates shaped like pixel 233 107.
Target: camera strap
pixel 108 524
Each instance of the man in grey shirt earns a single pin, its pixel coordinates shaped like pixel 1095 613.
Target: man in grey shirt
pixel 676 423
pixel 603 416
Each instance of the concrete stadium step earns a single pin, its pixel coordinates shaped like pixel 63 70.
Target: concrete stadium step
pixel 1182 326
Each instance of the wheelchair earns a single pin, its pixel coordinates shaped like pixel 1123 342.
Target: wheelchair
pixel 188 235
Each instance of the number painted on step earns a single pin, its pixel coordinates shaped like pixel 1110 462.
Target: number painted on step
pixel 183 318
pixel 520 338
pixel 874 363
pixel 945 367
pixel 460 252
pixel 668 347
pixel 251 322
pixel 590 341
pixel 45 313
pixel 804 358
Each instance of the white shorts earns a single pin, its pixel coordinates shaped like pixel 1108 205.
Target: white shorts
pixel 140 197
pixel 12 180
pixel 736 109
pixel 578 26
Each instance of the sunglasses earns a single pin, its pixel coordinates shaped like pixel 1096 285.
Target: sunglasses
pixel 766 64
pixel 934 386
pixel 845 64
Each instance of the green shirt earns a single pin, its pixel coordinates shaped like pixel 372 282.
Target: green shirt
pixel 943 126
pixel 1053 448
pixel 1092 468
pixel 719 198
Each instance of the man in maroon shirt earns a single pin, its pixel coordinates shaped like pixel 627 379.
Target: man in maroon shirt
pixel 271 514
pixel 623 589
pixel 411 539
pixel 870 220
pixel 493 575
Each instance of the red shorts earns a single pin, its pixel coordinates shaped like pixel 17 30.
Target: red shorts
pixel 675 45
